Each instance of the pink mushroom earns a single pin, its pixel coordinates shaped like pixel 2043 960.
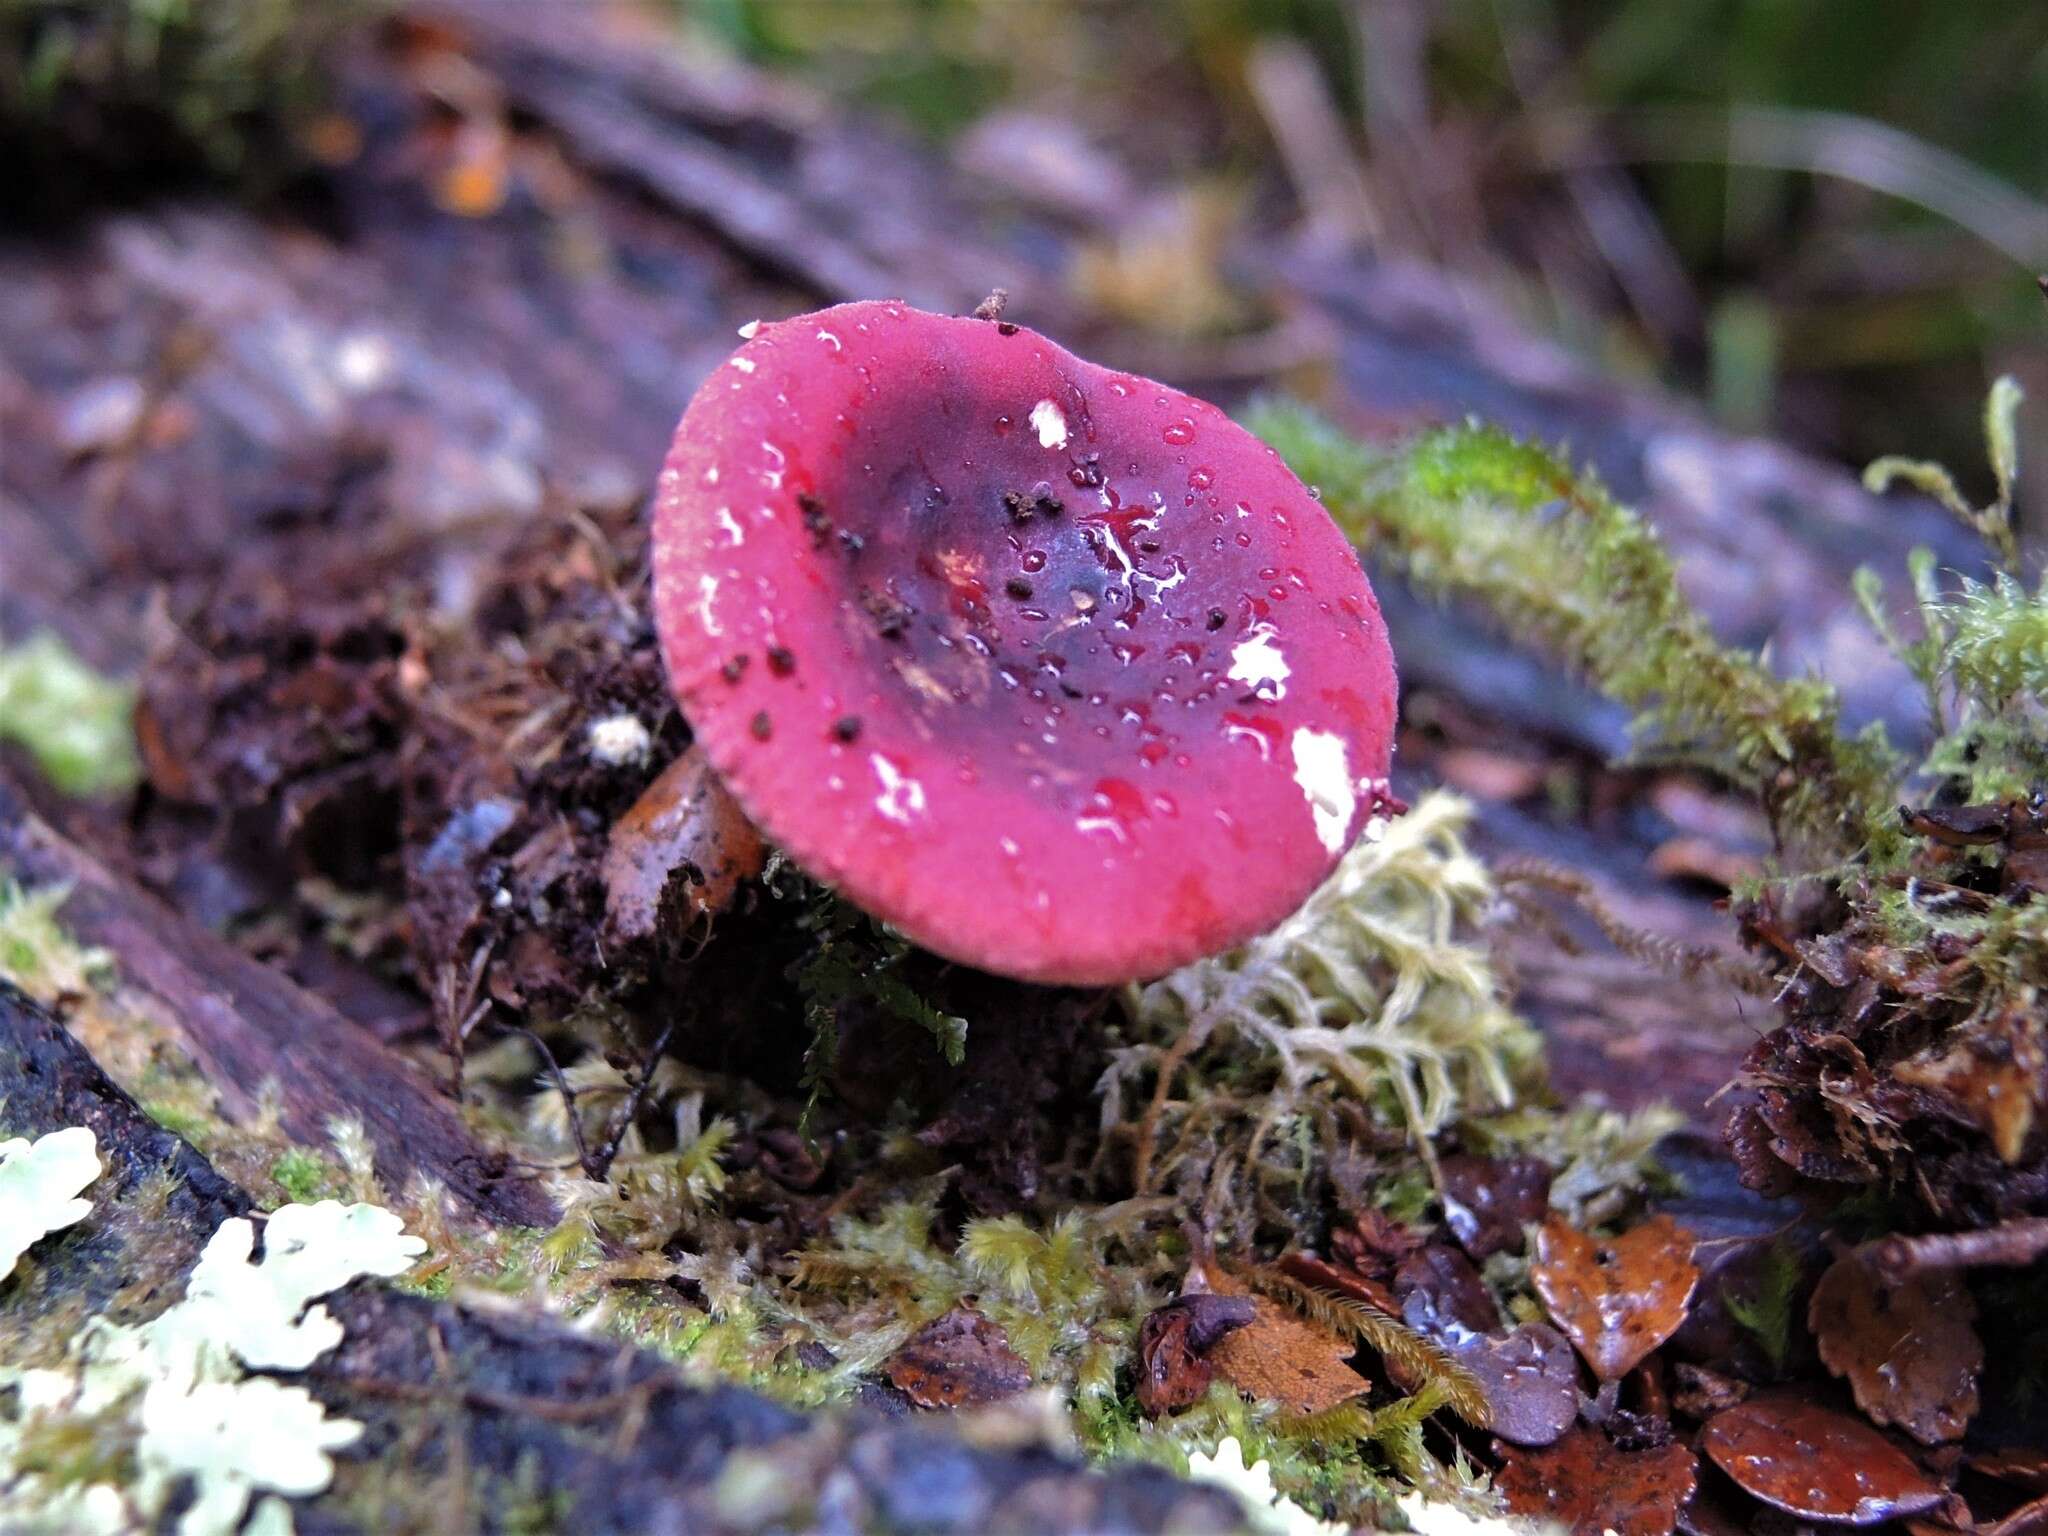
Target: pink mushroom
pixel 1054 668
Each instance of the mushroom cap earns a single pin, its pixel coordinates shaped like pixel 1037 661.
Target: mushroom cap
pixel 1056 669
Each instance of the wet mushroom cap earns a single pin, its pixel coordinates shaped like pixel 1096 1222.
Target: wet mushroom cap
pixel 1056 669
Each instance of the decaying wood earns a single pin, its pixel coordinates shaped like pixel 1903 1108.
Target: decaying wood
pixel 251 1028
pixel 472 1415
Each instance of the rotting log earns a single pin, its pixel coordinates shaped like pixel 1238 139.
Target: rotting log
pixel 478 1419
pixel 250 1028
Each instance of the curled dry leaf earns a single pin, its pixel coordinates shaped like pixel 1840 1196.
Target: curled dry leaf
pixel 1910 1352
pixel 1592 1487
pixel 683 827
pixel 1174 1341
pixel 1617 1299
pixel 959 1360
pixel 1278 1356
pixel 1813 1462
pixel 1490 1202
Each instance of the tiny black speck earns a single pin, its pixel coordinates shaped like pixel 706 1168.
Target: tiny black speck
pixel 761 725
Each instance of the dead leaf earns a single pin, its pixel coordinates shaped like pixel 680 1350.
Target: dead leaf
pixel 2021 1466
pixel 1319 1274
pixel 1442 1295
pixel 1486 775
pixel 1592 1487
pixel 1531 1381
pixel 1703 859
pixel 1374 1243
pixel 1278 1357
pixel 1174 1341
pixel 959 1360
pixel 1811 1461
pixel 1910 1353
pixel 1703 1393
pixel 1618 1299
pixel 1490 1202
pixel 1995 1074
pixel 685 829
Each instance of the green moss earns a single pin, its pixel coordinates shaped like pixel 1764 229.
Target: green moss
pixel 1471 512
pixel 37 954
pixel 303 1176
pixel 155 84
pixel 1769 1315
pixel 75 724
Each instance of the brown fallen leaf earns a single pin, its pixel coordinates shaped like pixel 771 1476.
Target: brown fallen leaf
pixel 1813 1462
pixel 1592 1487
pixel 684 829
pixel 1910 1353
pixel 1174 1341
pixel 1616 1299
pixel 2021 1466
pixel 958 1360
pixel 1702 1393
pixel 1277 1356
pixel 1374 1243
pixel 1993 1075
pixel 1340 1279
pixel 2029 1519
pixel 1531 1381
pixel 1490 1202
pixel 1442 1295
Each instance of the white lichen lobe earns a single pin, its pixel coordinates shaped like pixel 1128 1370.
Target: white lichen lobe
pixel 39 1185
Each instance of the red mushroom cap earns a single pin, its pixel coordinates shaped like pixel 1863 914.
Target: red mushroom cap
pixel 1058 670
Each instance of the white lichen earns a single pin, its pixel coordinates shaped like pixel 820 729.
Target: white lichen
pixel 176 1389
pixel 1268 1512
pixel 1440 1517
pixel 40 1182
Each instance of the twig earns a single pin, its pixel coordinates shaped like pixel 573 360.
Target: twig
pixel 568 1100
pixel 628 1112
pixel 2009 1245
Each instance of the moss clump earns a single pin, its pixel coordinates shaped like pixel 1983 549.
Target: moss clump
pixel 1373 1004
pixel 1472 512
pixel 75 724
pixel 1913 943
pixel 140 86
pixel 37 955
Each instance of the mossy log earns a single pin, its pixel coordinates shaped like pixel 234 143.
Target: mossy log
pixel 490 1421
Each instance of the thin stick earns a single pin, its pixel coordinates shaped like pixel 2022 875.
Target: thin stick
pixel 630 1110
pixel 568 1100
pixel 2009 1245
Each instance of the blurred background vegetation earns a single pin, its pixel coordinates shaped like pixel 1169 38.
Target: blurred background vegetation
pixel 1823 217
